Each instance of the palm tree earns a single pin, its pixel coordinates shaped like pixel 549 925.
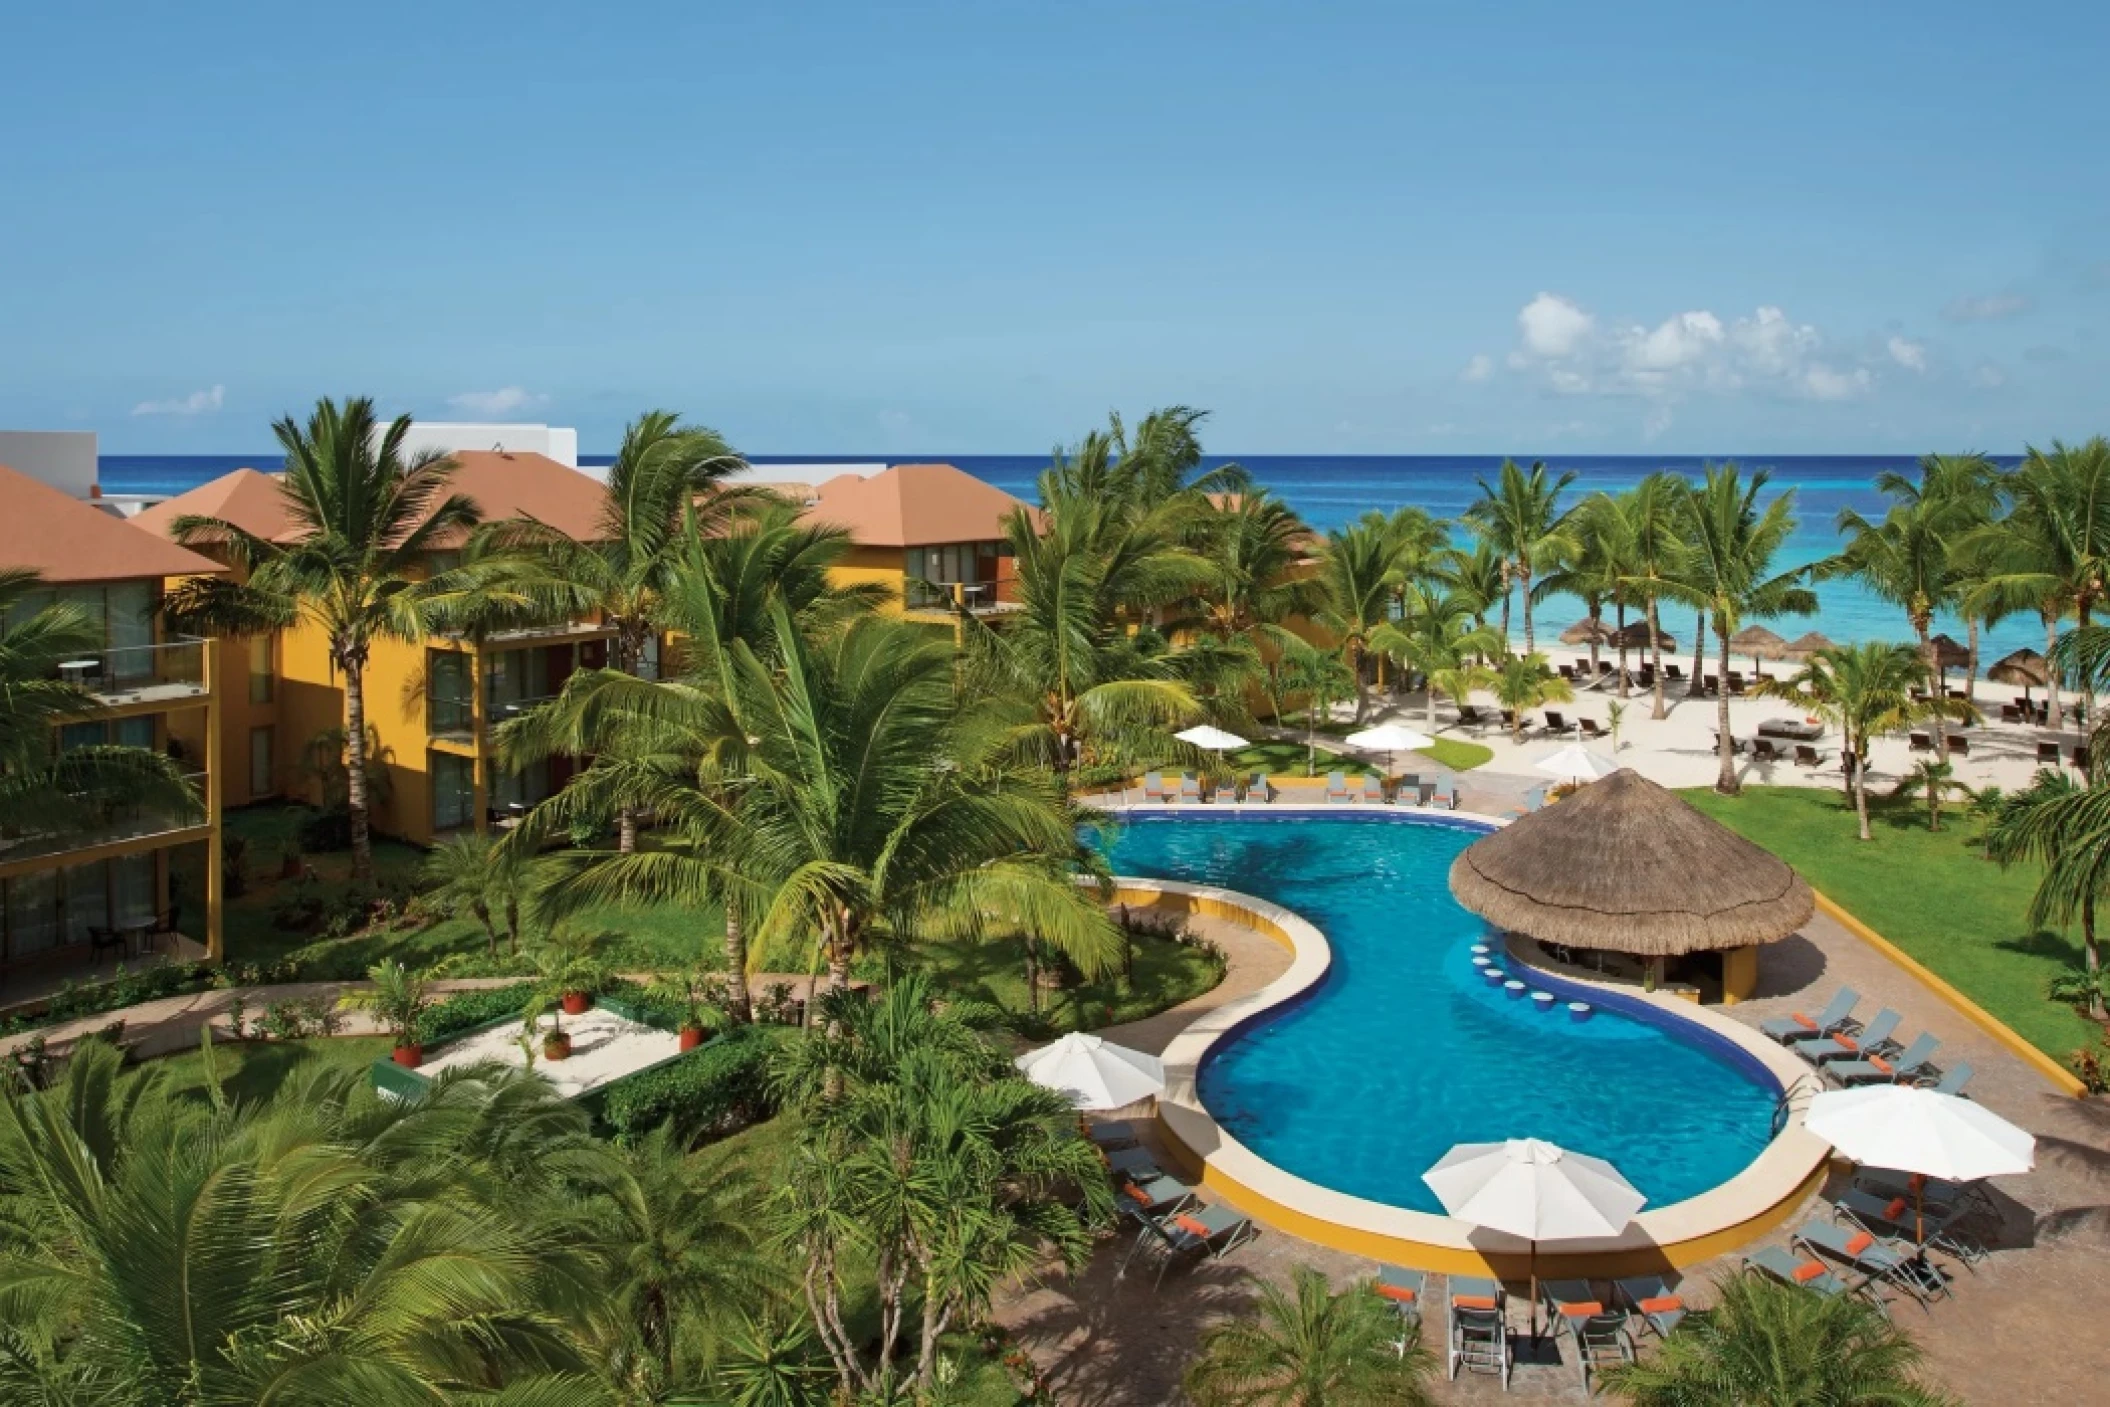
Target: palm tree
pixel 1520 514
pixel 1865 691
pixel 473 871
pixel 1525 682
pixel 1359 570
pixel 1730 576
pixel 1933 780
pixel 1476 574
pixel 2051 553
pixel 366 515
pixel 2065 828
pixel 1253 546
pixel 1905 558
pixel 1657 552
pixel 1309 1346
pixel 1320 678
pixel 1773 1343
pixel 1593 564
pixel 43 789
pixel 1438 637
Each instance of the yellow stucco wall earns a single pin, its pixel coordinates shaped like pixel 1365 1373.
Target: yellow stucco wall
pixel 883 566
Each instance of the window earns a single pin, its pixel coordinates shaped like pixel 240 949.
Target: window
pixel 132 887
pixel 32 913
pixel 453 791
pixel 129 616
pixel 449 706
pixel 133 732
pixel 261 649
pixel 87 897
pixel 261 779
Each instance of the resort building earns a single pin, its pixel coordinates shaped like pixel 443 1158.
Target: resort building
pixel 931 534
pixel 432 708
pixel 141 873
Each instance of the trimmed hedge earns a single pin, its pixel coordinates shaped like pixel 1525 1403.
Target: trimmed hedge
pixel 465 1011
pixel 717 1089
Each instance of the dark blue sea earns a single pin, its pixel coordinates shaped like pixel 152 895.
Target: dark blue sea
pixel 1329 490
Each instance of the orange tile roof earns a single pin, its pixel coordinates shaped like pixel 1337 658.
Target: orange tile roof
pixel 914 505
pixel 501 484
pixel 66 540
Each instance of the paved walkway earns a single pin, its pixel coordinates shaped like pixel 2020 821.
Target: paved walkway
pixel 2015 1331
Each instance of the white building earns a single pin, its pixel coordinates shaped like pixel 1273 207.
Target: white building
pixel 64 459
pixel 550 441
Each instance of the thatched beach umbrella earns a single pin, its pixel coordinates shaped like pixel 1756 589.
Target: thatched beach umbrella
pixel 1583 632
pixel 1627 866
pixel 1635 637
pixel 1805 645
pixel 1759 643
pixel 1948 655
pixel 2026 668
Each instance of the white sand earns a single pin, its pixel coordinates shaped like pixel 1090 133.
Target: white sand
pixel 604 1047
pixel 1678 751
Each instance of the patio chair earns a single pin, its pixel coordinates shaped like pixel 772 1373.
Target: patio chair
pixel 1762 750
pixel 1875 1040
pixel 1736 685
pixel 1203 1232
pixel 1336 788
pixel 1556 723
pixel 1402 1288
pixel 2010 713
pixel 1951 1080
pixel 1791 1269
pixel 1959 744
pixel 1652 1301
pixel 101 939
pixel 1589 728
pixel 1930 1229
pixel 1373 788
pixel 1959 695
pixel 1153 786
pixel 2048 754
pixel 1874 1258
pixel 1878 1068
pixel 1478 1331
pixel 1190 788
pixel 1837 1016
pixel 1138 1165
pixel 1920 742
pixel 1806 755
pixel 1567 672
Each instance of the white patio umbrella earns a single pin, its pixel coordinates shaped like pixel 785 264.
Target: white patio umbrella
pixel 1921 1132
pixel 1577 763
pixel 1534 1189
pixel 1210 739
pixel 1389 738
pixel 1094 1073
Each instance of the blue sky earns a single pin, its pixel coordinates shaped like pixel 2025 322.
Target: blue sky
pixel 976 227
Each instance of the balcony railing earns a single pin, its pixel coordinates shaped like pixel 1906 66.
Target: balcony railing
pixel 173 669
pixel 123 820
pixel 449 716
pixel 981 598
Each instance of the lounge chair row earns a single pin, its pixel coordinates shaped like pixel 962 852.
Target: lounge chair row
pixel 1409 790
pixel 1478 1337
pixel 1840 1048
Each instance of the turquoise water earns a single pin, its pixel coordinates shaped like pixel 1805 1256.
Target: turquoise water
pixel 1402 1051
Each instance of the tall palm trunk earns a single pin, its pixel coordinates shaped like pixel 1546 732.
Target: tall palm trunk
pixel 355 799
pixel 1970 677
pixel 739 1002
pixel 1530 641
pixel 1655 645
pixel 2057 715
pixel 1508 590
pixel 626 829
pixel 1362 690
pixel 1623 690
pixel 1858 783
pixel 1935 680
pixel 2091 956
pixel 1726 783
pixel 1596 634
pixel 1697 689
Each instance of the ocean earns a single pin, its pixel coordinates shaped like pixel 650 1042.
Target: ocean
pixel 1329 490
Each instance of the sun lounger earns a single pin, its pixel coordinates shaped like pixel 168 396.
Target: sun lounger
pixel 1153 786
pixel 1791 1269
pixel 1153 1197
pixel 1930 1228
pixel 1949 1081
pixel 1203 1232
pixel 1264 783
pixel 1137 1165
pixel 1932 1192
pixel 1711 683
pixel 1879 1068
pixel 1959 744
pixel 1114 1133
pixel 1407 789
pixel 1875 1040
pixel 1837 1016
pixel 2080 758
pixel 1600 1340
pixel 1190 787
pixel 1440 792
pixel 1921 742
pixel 1674 673
pixel 1478 1329
pixel 1762 750
pixel 1589 727
pixel 1807 755
pixel 1567 672
pixel 1874 1258
pixel 1336 788
pixel 2010 713
pixel 1403 1289
pixel 1556 723
pixel 1651 1299
pixel 1568 1303
pixel 2048 754
pixel 1373 788
pixel 1469 715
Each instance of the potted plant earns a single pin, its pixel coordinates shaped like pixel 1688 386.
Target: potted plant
pixel 556 1041
pixel 697 993
pixel 289 858
pixel 570 968
pixel 397 999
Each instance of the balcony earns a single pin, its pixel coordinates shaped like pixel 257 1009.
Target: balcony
pixel 169 672
pixel 119 821
pixel 982 599
pixel 450 716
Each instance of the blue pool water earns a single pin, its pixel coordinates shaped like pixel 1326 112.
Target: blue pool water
pixel 1403 1050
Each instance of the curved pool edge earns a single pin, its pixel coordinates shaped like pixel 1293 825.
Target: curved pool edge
pixel 1722 1219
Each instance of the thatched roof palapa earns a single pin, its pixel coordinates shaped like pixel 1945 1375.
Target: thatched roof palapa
pixel 1805 645
pixel 1625 865
pixel 1583 631
pixel 1948 654
pixel 1635 636
pixel 2024 667
pixel 1757 642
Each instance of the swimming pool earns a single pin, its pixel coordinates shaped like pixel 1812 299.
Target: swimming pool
pixel 1402 1050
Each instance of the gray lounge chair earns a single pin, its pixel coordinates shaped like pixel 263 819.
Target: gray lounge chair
pixel 1136 1165
pixel 1569 1305
pixel 1153 786
pixel 1897 1218
pixel 1882 1069
pixel 1373 788
pixel 1469 715
pixel 1478 1330
pixel 1837 1016
pixel 1601 1339
pixel 1203 1232
pixel 1190 787
pixel 1933 1192
pixel 1266 784
pixel 1875 1040
pixel 1337 788
pixel 1875 1258
pixel 1154 1196
pixel 1255 782
pixel 1402 1289
pixel 1791 1269
pixel 1652 1300
pixel 1113 1133
pixel 1952 1080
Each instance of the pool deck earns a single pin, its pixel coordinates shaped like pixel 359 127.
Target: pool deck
pixel 2013 1330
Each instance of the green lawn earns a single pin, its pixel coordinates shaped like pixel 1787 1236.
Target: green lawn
pixel 1931 894
pixel 1457 754
pixel 1281 755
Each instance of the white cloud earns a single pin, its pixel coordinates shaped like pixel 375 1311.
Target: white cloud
pixel 196 403
pixel 1985 307
pixel 503 401
pixel 1677 341
pixel 1988 376
pixel 1825 383
pixel 1908 354
pixel 1553 326
pixel 1479 368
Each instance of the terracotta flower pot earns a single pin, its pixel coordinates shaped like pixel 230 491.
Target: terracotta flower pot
pixel 577 1003
pixel 410 1057
pixel 556 1045
pixel 691 1037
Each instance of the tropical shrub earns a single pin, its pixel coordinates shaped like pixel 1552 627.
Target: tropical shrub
pixel 465 1011
pixel 1310 1344
pixel 717 1089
